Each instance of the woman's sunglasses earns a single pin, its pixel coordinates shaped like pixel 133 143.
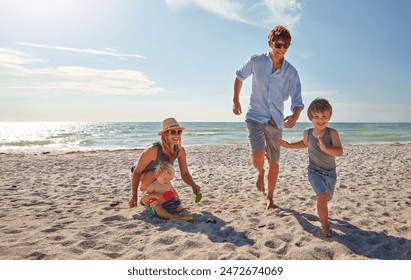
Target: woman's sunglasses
pixel 279 45
pixel 174 132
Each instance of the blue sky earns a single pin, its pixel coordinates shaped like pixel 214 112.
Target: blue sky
pixel 125 60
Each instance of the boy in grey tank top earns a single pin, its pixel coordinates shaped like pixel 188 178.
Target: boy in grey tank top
pixel 323 145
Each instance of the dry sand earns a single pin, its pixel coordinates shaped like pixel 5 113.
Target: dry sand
pixel 75 206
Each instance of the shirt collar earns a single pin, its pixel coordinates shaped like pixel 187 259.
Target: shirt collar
pixel 285 63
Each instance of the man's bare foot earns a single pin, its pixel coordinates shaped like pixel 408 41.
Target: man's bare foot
pixel 260 183
pixel 326 232
pixel 269 203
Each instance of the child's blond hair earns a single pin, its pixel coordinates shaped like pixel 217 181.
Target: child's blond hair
pixel 164 167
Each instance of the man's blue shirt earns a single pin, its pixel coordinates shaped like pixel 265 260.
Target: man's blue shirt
pixel 270 90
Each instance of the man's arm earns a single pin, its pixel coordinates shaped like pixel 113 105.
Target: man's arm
pixel 236 98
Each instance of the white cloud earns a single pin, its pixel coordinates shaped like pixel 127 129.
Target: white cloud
pixel 226 9
pixel 16 57
pixel 107 51
pixel 284 11
pixel 20 80
pixel 266 13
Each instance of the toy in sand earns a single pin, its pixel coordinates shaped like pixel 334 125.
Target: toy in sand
pixel 199 196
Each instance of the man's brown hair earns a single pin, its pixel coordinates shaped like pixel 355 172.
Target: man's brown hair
pixel 279 33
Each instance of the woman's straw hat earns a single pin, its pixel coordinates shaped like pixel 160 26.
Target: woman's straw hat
pixel 169 123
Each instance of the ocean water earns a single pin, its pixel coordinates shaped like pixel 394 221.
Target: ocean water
pixel 37 137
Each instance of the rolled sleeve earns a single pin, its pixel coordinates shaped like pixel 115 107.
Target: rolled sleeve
pixel 246 70
pixel 296 97
pixel 238 76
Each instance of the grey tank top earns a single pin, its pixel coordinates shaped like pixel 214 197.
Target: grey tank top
pixel 317 158
pixel 160 157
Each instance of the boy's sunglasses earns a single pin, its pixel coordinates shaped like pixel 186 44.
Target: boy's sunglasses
pixel 174 132
pixel 279 45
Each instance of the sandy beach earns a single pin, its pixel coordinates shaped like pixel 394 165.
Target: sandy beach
pixel 75 206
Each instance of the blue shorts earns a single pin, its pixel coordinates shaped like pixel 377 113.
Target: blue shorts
pixel 265 137
pixel 169 206
pixel 322 181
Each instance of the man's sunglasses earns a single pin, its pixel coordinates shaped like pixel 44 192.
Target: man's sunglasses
pixel 174 132
pixel 279 45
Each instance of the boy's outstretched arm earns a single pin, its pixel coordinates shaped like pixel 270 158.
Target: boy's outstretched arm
pixel 296 145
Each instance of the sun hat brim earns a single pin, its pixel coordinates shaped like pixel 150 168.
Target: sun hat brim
pixel 168 124
pixel 174 127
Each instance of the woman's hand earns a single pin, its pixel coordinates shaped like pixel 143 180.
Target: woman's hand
pixel 196 189
pixel 133 202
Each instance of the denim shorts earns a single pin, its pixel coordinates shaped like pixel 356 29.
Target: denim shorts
pixel 169 206
pixel 322 181
pixel 265 137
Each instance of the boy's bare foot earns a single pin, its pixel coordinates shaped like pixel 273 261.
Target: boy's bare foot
pixel 260 182
pixel 269 203
pixel 326 232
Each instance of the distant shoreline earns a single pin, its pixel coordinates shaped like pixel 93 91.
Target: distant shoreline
pixel 206 146
pixel 72 137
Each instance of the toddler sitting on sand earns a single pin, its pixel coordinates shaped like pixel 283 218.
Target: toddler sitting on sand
pixel 160 196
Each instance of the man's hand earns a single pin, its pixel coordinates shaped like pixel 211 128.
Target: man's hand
pixel 237 108
pixel 290 121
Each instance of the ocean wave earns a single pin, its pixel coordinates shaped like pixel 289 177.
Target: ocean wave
pixel 24 143
pixel 206 133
